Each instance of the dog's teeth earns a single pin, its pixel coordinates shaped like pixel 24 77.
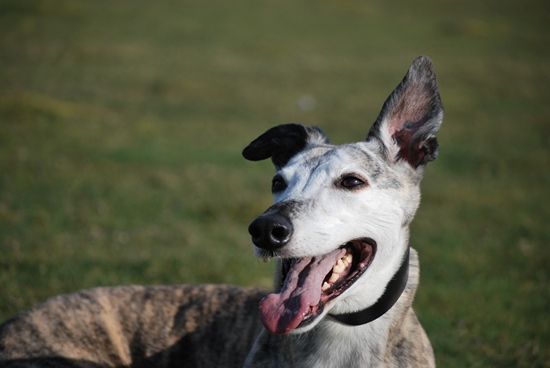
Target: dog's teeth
pixel 339 267
pixel 325 286
pixel 333 278
pixel 348 258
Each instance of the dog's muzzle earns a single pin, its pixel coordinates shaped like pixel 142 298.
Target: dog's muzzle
pixel 270 231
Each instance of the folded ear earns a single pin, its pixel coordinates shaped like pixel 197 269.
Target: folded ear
pixel 282 142
pixel 410 116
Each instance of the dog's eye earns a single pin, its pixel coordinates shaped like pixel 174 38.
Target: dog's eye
pixel 278 184
pixel 350 182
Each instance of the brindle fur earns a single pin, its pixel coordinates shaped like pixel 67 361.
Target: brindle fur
pixel 136 326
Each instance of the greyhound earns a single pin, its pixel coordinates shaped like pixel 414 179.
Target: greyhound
pixel 345 276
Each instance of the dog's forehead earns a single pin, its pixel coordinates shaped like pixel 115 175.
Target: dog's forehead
pixel 337 159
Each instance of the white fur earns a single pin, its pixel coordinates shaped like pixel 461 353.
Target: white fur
pixel 334 216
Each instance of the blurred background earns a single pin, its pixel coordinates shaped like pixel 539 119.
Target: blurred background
pixel 122 125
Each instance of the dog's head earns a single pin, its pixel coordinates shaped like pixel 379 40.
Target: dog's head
pixel 341 213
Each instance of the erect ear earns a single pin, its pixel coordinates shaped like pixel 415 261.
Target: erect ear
pixel 282 142
pixel 410 116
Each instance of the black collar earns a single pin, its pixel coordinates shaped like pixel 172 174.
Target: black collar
pixel 393 291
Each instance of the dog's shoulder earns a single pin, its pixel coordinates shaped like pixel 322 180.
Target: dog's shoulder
pixel 411 347
pixel 408 344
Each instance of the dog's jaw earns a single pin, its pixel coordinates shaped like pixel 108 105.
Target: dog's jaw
pixel 309 284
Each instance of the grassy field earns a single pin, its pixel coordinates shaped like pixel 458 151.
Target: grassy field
pixel 122 123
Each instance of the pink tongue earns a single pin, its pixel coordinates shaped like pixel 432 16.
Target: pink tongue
pixel 283 312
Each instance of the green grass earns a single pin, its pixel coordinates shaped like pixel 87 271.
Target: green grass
pixel 121 126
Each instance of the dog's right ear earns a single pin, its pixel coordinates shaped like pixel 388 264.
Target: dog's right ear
pixel 282 142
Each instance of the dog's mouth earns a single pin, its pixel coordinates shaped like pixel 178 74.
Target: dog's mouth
pixel 309 283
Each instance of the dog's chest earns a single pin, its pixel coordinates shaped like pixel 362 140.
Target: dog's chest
pixel 337 346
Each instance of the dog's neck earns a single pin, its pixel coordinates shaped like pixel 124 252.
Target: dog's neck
pixel 364 345
pixel 333 344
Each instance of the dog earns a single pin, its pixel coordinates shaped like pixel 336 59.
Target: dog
pixel 345 277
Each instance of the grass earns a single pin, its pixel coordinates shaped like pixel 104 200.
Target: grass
pixel 121 126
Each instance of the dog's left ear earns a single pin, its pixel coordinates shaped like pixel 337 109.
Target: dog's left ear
pixel 282 142
pixel 410 116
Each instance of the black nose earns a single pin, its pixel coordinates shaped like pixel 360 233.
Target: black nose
pixel 270 231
